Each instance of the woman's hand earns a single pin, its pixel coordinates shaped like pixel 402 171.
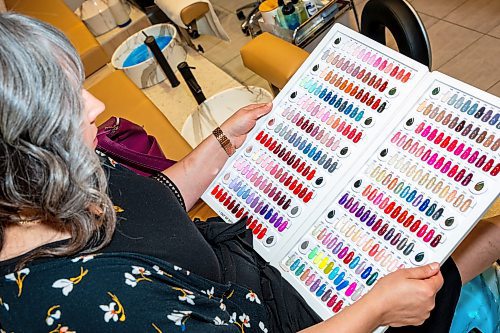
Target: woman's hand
pixel 403 298
pixel 406 297
pixel 205 161
pixel 243 121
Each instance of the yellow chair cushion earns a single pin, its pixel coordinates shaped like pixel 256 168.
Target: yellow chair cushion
pixel 56 12
pixel 202 211
pixel 493 211
pixel 194 12
pixel 272 58
pixel 123 99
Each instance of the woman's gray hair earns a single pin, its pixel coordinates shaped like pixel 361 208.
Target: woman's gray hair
pixel 45 166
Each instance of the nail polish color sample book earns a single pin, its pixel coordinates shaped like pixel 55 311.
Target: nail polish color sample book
pixel 367 163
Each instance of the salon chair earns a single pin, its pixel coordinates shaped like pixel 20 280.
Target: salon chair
pixel 277 60
pixel 189 15
pixel 57 13
pixel 192 12
pixel 401 19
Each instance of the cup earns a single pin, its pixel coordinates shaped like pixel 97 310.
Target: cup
pixel 269 10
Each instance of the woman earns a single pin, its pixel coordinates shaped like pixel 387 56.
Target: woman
pixel 73 258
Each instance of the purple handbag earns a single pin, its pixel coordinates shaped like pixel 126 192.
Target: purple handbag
pixel 131 146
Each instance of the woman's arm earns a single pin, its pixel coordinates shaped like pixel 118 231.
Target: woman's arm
pixel 479 250
pixel 195 172
pixel 402 298
pixel 361 317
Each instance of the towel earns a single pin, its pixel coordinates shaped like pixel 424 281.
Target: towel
pixel 208 24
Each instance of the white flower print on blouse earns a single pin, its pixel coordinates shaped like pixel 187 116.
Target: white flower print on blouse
pixel 253 297
pixel 114 311
pixel 18 278
pixel 110 312
pixel 180 318
pixel 262 327
pixel 219 322
pixel 84 259
pixel 132 281
pixel 4 305
pixel 245 320
pixel 186 295
pixel 177 268
pixel 53 314
pixel 67 284
pixel 160 271
pixel 222 306
pixel 209 292
pixel 112 161
pixel 140 270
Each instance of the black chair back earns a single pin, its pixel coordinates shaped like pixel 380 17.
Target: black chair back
pixel 401 19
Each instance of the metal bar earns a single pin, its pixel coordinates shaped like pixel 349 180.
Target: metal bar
pixel 320 22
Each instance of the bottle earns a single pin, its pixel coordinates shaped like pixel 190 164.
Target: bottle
pixel 319 4
pixel 311 8
pixel 280 18
pixel 301 10
pixel 291 16
pixel 119 13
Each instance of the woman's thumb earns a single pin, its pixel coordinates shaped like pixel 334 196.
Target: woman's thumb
pixel 423 272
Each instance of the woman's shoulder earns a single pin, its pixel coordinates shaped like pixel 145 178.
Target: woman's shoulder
pixel 127 291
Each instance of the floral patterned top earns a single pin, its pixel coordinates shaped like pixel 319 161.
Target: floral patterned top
pixel 135 283
pixel 126 292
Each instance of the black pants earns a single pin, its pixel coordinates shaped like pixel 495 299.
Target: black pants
pixel 289 312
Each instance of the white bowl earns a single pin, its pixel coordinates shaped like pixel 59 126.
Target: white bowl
pixel 216 109
pixel 148 72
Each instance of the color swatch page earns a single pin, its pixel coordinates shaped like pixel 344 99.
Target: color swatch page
pixel 423 188
pixel 321 127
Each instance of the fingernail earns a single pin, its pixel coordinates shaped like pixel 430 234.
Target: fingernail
pixel 434 266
